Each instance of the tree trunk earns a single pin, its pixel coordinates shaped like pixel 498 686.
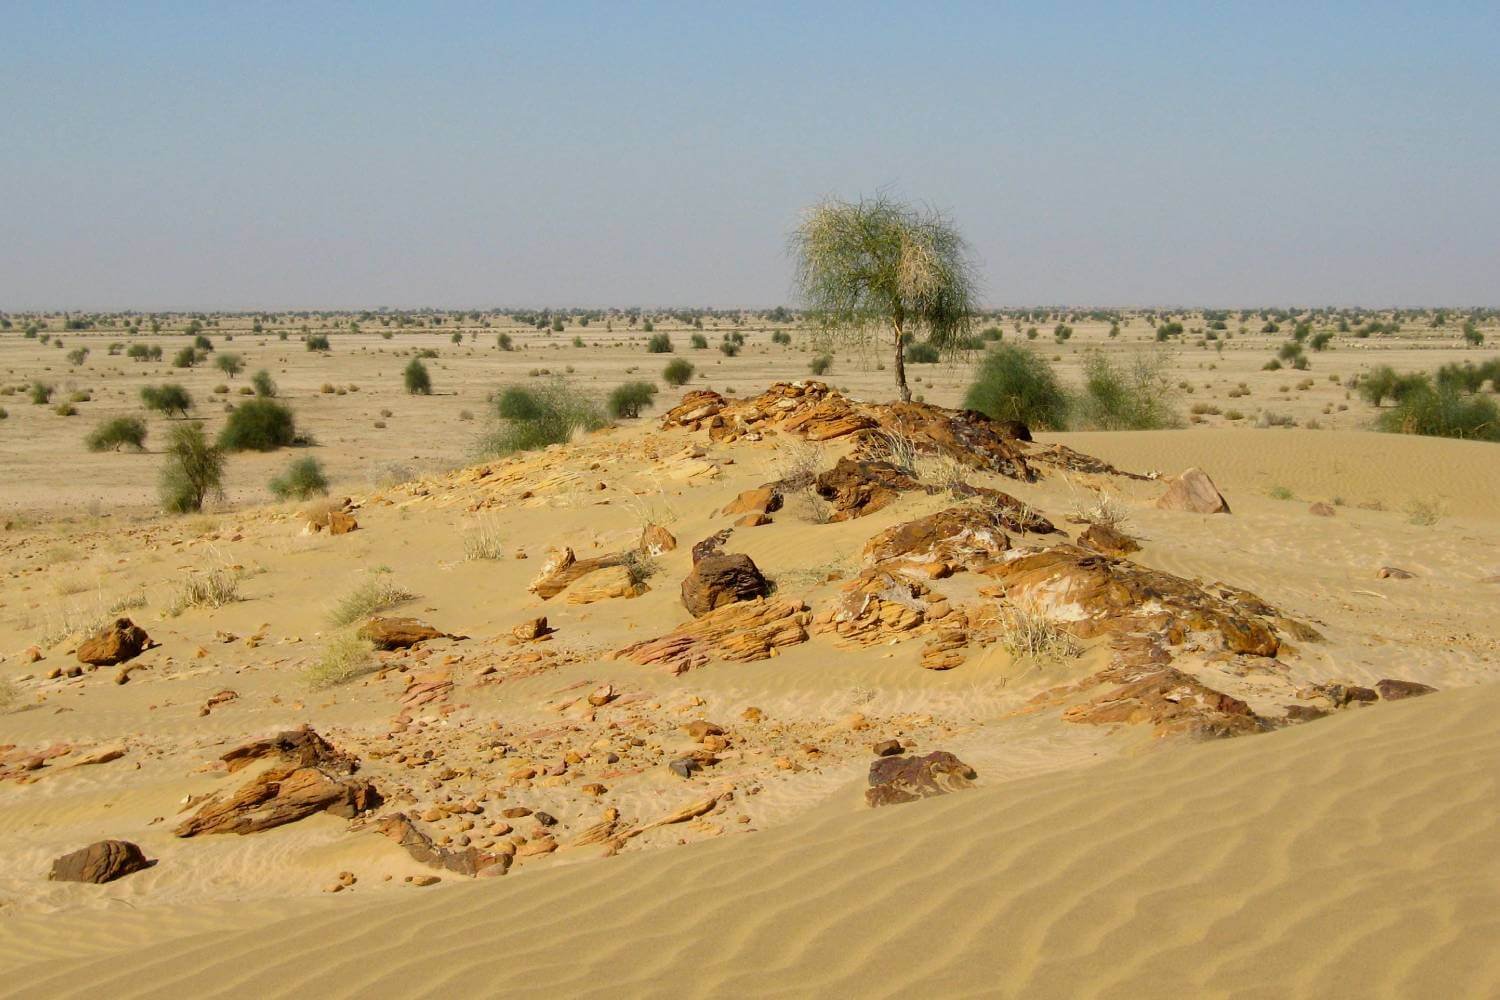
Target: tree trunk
pixel 901 385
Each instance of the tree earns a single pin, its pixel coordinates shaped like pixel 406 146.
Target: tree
pixel 872 264
pixel 194 470
pixel 418 382
pixel 230 364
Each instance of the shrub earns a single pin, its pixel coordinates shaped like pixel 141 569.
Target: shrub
pixel 1016 383
pixel 699 342
pixel 202 343
pixel 677 372
pixel 1320 340
pixel 821 365
pixel 777 337
pixel 302 480
pixel 503 342
pixel 230 364
pixel 534 417
pixel 416 379
pixel 194 470
pixel 628 400
pixel 991 334
pixel 922 354
pixel 40 393
pixel 1136 398
pixel 262 384
pixel 369 598
pixel 344 657
pixel 166 399
pixel 77 355
pixel 118 433
pixel 318 342
pixel 66 410
pixel 729 348
pixel 659 343
pixel 1442 410
pixel 259 425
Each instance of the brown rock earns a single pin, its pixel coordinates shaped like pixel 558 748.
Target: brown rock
pixel 604 584
pixel 532 628
pixel 711 546
pixel 1110 541
pixel 563 567
pixel 1394 690
pixel 896 779
pixel 398 633
pixel 717 580
pixel 1394 573
pixel 740 632
pixel 958 537
pixel 98 863
pixel 280 795
pixel 888 748
pixel 469 861
pixel 116 643
pixel 31 654
pixel 1194 491
pixel 761 500
pixel 1321 510
pixel 340 523
pixel 1173 702
pixel 700 729
pixel 855 488
pixel 655 540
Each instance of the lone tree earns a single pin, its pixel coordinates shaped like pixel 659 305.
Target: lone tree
pixel 875 265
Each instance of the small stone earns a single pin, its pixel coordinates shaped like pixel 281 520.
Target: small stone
pixel 888 748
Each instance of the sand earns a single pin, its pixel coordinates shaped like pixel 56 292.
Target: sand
pixel 1349 856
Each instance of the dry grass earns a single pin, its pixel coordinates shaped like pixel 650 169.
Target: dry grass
pixel 1424 513
pixel 945 473
pixel 371 597
pixel 482 540
pixel 895 447
pixel 75 619
pixel 1098 507
pixel 211 589
pixel 344 657
pixel 1026 633
pixel 797 463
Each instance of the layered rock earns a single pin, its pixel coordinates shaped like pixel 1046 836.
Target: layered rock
pixel 605 584
pixel 855 488
pixel 468 861
pixel 98 863
pixel 563 567
pixel 398 633
pixel 719 579
pixel 897 779
pixel 877 607
pixel 742 632
pixel 940 544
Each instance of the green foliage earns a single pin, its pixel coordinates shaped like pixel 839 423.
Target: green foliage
pixel 778 337
pixel 876 263
pixel 318 342
pixel 187 357
pixel 628 400
pixel 259 424
pixel 118 433
pixel 302 480
pixel 1383 383
pixel 143 352
pixel 262 383
pixel 40 393
pixel 194 470
pixel 659 344
pixel 699 342
pixel 821 365
pixel 922 354
pixel 534 417
pixel 677 372
pixel 416 379
pixel 166 399
pixel 1442 410
pixel 1135 397
pixel 1016 383
pixel 1320 340
pixel 230 364
pixel 77 355
pixel 729 347
pixel 202 343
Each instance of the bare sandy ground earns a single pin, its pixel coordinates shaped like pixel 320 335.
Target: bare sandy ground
pixel 1349 856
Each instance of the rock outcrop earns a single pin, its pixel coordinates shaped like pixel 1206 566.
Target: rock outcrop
pixel 742 632
pixel 563 567
pixel 605 584
pixel 398 633
pixel 856 488
pixel 98 863
pixel 468 861
pixel 897 779
pixel 940 544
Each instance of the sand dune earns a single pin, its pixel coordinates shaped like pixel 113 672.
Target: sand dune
pixel 1354 858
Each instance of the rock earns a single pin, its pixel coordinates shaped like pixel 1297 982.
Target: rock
pixel 856 488
pixel 1303 713
pixel 717 580
pixel 1108 540
pixel 423 881
pixel 398 633
pixel 761 500
pixel 98 863
pixel 280 795
pixel 711 546
pixel 741 632
pixel 116 643
pixel 604 584
pixel 532 628
pixel 1194 491
pixel 655 540
pixel 1321 510
pixel 1172 702
pixel 300 746
pixel 469 861
pixel 896 779
pixel 888 748
pixel 563 567
pixel 340 523
pixel 877 607
pixel 602 695
pixel 31 654
pixel 699 729
pixel 1394 573
pixel 104 755
pixel 1394 690
pixel 941 543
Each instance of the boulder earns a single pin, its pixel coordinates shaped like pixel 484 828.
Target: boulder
pixel 563 567
pixel 895 779
pixel 398 633
pixel 1394 690
pixel 340 523
pixel 1110 541
pixel 855 488
pixel 532 628
pixel 280 795
pixel 740 632
pixel 655 540
pixel 603 584
pixel 761 500
pixel 717 580
pixel 123 640
pixel 1194 491
pixel 99 863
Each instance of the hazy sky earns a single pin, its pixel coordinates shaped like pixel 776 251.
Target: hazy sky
pixel 206 155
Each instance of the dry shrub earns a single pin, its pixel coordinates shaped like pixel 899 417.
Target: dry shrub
pixel 372 596
pixel 1027 633
pixel 482 540
pixel 343 658
pixel 211 589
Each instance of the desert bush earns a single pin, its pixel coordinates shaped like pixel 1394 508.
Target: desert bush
pixel 1137 397
pixel 230 364
pixel 377 594
pixel 1442 410
pixel 728 347
pixel 262 384
pixel 302 480
pixel 1016 383
pixel 167 399
pixel 677 372
pixel 1027 633
pixel 259 425
pixel 699 342
pixel 780 337
pixel 416 379
pixel 77 355
pixel 1320 340
pixel 66 410
pixel 40 393
pixel 628 400
pixel 211 589
pixel 318 342
pixel 659 343
pixel 118 433
pixel 202 343
pixel 194 470
pixel 534 417
pixel 185 358
pixel 821 365
pixel 482 540
pixel 919 353
pixel 143 352
pixel 346 656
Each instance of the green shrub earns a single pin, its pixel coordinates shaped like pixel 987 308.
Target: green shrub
pixel 821 365
pixel 318 342
pixel 40 393
pixel 534 417
pixel 922 354
pixel 1442 410
pixel 416 379
pixel 166 399
pixel 143 352
pixel 262 384
pixel 992 334
pixel 230 364
pixel 302 480
pixel 202 343
pixel 194 470
pixel 504 342
pixel 1016 383
pixel 66 410
pixel 77 355
pixel 699 342
pixel 185 358
pixel 677 372
pixel 259 425
pixel 118 433
pixel 628 400
pixel 777 337
pixel 1137 397
pixel 659 344
pixel 1320 340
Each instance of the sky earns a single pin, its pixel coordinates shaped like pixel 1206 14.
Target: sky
pixel 322 155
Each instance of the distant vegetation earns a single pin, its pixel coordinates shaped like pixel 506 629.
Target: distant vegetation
pixel 302 480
